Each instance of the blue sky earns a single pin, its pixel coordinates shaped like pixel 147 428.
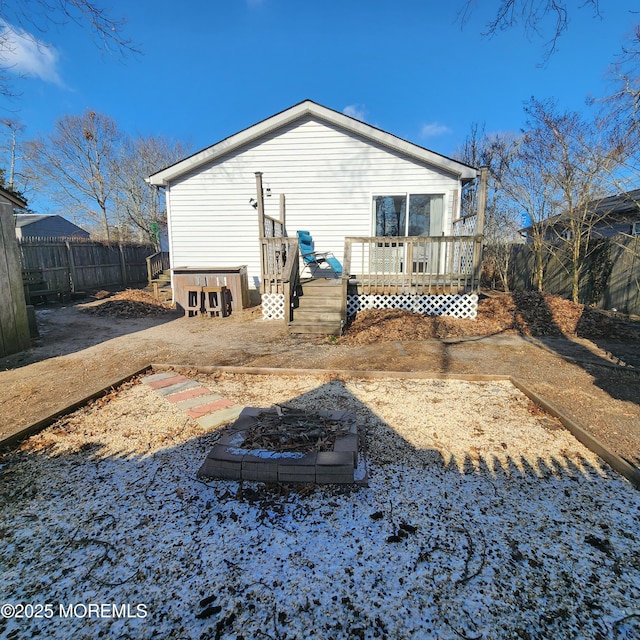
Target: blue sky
pixel 210 68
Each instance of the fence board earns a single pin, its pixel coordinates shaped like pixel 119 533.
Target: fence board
pixel 624 283
pixel 72 264
pixel 620 285
pixel 14 324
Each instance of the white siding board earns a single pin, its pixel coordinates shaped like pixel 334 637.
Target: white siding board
pixel 327 175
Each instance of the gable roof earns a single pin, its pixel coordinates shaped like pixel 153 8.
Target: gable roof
pixel 24 219
pixel 304 109
pixel 52 224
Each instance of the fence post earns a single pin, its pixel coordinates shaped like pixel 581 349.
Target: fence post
pixel 73 276
pixel 123 265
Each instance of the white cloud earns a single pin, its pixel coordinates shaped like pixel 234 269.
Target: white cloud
pixel 433 129
pixel 357 111
pixel 23 54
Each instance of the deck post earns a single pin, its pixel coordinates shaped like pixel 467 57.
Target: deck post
pixel 263 250
pixel 260 196
pixel 346 258
pixel 283 209
pixel 483 174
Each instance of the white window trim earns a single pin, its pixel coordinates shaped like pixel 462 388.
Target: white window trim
pixel 447 223
pixel 635 228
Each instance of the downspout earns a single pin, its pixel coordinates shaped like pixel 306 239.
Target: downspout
pixel 167 200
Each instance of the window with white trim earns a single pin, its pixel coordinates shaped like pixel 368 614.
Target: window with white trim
pixel 425 215
pixel 635 228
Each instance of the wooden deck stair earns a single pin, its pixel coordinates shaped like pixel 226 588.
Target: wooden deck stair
pixel 164 278
pixel 321 308
pixel 164 285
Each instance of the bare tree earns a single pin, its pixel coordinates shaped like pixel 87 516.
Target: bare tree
pixel 76 161
pixel 502 221
pixel 33 17
pixel 139 201
pixel 532 15
pixel 533 197
pixel 622 106
pixel 14 127
pixel 575 163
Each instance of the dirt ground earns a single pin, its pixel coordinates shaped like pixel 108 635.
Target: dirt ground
pixel 585 362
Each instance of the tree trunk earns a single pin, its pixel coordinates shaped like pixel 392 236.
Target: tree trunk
pixel 575 275
pixel 105 222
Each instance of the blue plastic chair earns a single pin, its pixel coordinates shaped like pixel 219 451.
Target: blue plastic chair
pixel 316 260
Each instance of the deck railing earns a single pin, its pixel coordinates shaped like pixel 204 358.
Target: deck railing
pixel 275 255
pixel 272 228
pixel 414 264
pixel 291 279
pixel 156 264
pixel 391 265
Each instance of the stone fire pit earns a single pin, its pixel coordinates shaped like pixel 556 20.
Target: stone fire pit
pixel 280 444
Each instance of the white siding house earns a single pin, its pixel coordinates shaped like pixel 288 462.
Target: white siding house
pixel 333 171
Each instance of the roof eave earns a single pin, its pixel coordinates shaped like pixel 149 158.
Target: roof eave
pixel 13 199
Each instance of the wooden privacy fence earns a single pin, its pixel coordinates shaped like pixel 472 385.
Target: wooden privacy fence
pixel 610 280
pixel 14 323
pixel 73 264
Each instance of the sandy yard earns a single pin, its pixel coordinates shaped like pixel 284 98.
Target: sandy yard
pixel 483 518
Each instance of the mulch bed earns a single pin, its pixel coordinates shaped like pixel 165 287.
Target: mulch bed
pixel 131 303
pixel 526 313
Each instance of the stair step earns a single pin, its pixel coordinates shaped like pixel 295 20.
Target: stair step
pixel 320 304
pixel 313 315
pixel 316 328
pixel 312 289
pixel 320 308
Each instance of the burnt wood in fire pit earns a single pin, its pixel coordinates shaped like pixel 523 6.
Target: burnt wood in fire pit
pixel 282 444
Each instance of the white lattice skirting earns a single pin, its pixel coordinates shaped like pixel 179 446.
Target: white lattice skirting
pixel 273 306
pixel 457 306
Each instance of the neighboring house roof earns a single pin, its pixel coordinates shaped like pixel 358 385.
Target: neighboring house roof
pixel 306 109
pixel 46 225
pixel 15 200
pixel 622 206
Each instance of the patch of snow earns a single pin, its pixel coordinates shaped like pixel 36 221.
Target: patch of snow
pixel 264 453
pixel 478 522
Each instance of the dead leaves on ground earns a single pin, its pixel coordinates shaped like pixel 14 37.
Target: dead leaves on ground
pixel 131 303
pixel 527 313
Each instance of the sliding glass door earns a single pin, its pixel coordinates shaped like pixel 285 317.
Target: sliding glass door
pixel 392 217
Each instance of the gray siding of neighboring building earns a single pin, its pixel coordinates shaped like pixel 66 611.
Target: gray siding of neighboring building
pixel 47 226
